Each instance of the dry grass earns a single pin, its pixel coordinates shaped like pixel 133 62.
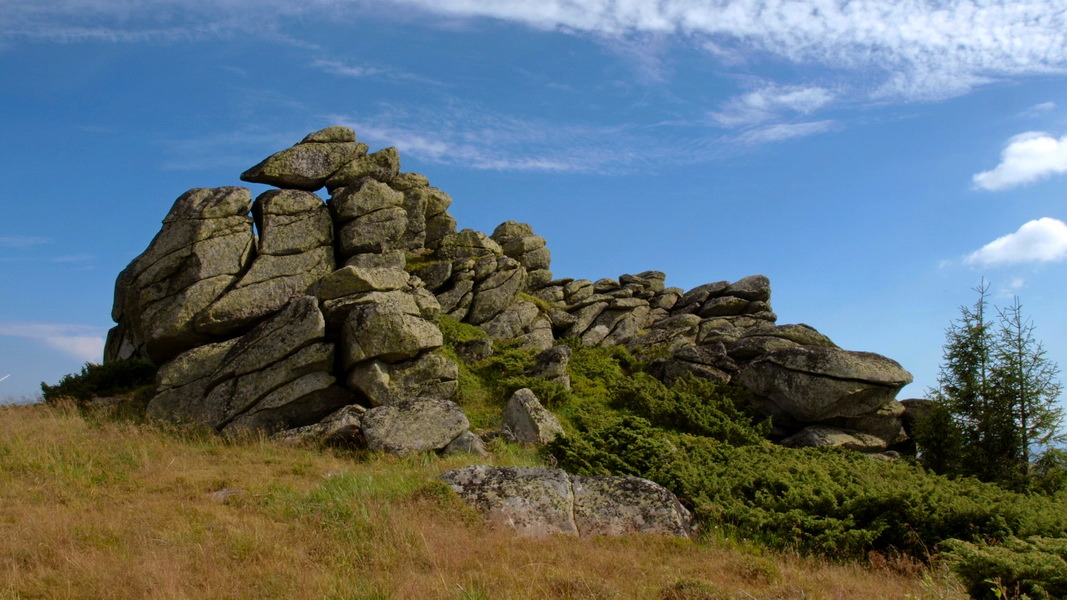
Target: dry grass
pixel 97 508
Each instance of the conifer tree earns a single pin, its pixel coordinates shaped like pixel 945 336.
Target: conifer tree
pixel 996 397
pixel 1026 378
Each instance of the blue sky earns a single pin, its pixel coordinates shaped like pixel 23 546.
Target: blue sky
pixel 876 158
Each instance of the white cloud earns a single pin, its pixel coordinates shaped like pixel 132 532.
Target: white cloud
pixel 1040 240
pixel 462 134
pixel 345 70
pixel 1039 109
pixel 83 342
pixel 1029 157
pixel 771 102
pixel 22 241
pixel 908 49
pixel 783 131
pixel 917 49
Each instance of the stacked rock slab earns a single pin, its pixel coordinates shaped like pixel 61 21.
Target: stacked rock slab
pixel 335 304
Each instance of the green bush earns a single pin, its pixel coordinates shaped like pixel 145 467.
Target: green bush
pixel 1036 567
pixel 115 378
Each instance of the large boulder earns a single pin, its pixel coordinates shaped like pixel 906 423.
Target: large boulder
pixel 307 165
pixel 813 384
pixel 275 376
pixel 533 501
pixel 537 502
pixel 413 425
pixel 204 247
pixel 823 436
pixel 387 330
pixel 627 505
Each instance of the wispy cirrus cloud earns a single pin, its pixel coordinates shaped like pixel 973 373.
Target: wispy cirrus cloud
pixel 1037 241
pixel 1028 157
pixel 22 241
pixel 83 342
pixel 781 132
pixel 890 49
pixel 910 49
pixel 771 102
pixel 477 138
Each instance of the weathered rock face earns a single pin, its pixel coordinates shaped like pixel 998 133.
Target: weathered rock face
pixel 336 303
pixel 205 245
pixel 815 383
pixel 538 502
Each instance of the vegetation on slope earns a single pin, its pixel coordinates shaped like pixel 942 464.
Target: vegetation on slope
pixel 699 439
pixel 94 507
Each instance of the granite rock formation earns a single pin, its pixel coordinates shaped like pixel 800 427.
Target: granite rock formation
pixel 277 313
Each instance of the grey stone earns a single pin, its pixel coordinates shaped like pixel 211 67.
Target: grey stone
pixel 341 427
pixel 753 287
pixel 434 275
pixel 385 331
pixel 280 361
pixel 535 502
pixel 406 181
pixel 206 243
pixel 497 292
pixel 824 436
pixel 356 280
pixel 390 259
pixel 528 421
pixel 428 375
pixel 305 166
pixel 295 249
pixel 466 443
pixel 413 425
pixel 615 506
pixel 551 364
pixel 476 350
pixel 382 165
pixel 814 384
pixel 335 133
pixel 722 306
pixel 538 502
pixel 467 244
pixel 700 294
pixel 885 423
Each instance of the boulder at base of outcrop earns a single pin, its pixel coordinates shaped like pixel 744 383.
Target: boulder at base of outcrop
pixel 814 384
pixel 413 425
pixel 528 421
pixel 539 501
pixel 342 427
pixel 627 505
pixel 823 436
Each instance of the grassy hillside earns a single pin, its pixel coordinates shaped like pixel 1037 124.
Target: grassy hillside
pixel 93 507
pixel 105 507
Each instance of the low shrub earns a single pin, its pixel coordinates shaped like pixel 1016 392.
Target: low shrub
pixel 114 378
pixel 1035 566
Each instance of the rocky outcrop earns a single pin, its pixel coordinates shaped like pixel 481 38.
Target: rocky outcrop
pixel 277 313
pixel 538 502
